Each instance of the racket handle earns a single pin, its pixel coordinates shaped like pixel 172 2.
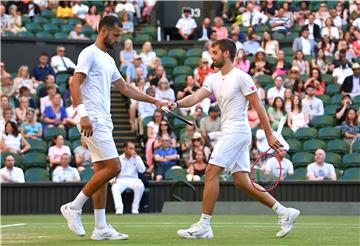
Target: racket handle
pixel 281 125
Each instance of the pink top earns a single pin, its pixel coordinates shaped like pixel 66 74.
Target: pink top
pixel 222 32
pixel 57 152
pixel 243 65
pixel 356 46
pixel 92 20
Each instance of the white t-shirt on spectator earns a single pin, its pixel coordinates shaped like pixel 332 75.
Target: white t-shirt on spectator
pixel 314 107
pixel 186 24
pixel 80 10
pixel 273 167
pixel 16 174
pixel 326 170
pixel 274 92
pixel 341 74
pixel 57 152
pixel 306 46
pixel 68 174
pixel 100 70
pixel 12 142
pixel 128 7
pixel 148 58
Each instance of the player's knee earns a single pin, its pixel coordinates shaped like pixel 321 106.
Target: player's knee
pixel 116 170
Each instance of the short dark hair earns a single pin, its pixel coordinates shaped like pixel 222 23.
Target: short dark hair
pixel 127 143
pixel 226 44
pixel 109 21
pixel 43 54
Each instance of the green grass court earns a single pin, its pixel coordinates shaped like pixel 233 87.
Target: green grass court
pixel 157 229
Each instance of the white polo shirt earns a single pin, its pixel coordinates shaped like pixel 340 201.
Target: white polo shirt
pixel 16 174
pixel 186 24
pixel 131 167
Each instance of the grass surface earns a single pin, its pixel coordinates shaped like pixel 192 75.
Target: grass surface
pixel 157 229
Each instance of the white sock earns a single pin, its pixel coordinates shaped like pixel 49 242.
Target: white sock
pixel 205 220
pixel 279 209
pixel 79 201
pixel 100 220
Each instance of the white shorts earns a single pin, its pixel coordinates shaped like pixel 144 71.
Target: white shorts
pixel 101 144
pixel 232 151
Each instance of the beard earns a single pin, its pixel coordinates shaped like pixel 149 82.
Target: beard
pixel 219 63
pixel 108 44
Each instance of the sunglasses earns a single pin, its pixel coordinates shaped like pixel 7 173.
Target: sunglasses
pixel 196 139
pixel 163 124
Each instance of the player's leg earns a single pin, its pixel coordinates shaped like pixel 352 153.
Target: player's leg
pixel 117 189
pixel 287 216
pixel 202 228
pixel 138 187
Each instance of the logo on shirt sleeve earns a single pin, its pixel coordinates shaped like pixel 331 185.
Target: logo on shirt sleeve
pixel 253 88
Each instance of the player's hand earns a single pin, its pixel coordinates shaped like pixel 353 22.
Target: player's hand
pixel 86 127
pixel 172 105
pixel 274 143
pixel 159 104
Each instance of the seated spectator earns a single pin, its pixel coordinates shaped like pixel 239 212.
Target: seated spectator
pixel 251 46
pixel 272 165
pixel 343 45
pixel 22 110
pixel 350 128
pixel 165 131
pixel 165 158
pixel 303 43
pixel 293 75
pixel 222 31
pixel 314 106
pixel 7 115
pixel 72 116
pixel 158 74
pixel 147 54
pixel 330 30
pixel 79 9
pixel 320 62
pixel 340 111
pixel 9 173
pixel 30 128
pixel 356 43
pixel 206 53
pixel 322 14
pixel 297 117
pixel 203 31
pixel 276 111
pixel 342 71
pixel 61 63
pixel 12 141
pixel 316 80
pixel 131 165
pixel 57 150
pixel 302 64
pixel 299 88
pixel 186 25
pixel 202 71
pixel 8 88
pixel 164 92
pixel 280 23
pixel 54 115
pixel 288 96
pixel 126 6
pixel 314 29
pixel 281 66
pixel 190 88
pixel 327 45
pixel 64 173
pixel 197 145
pixel 51 92
pixel 15 23
pixel 145 109
pixel 76 33
pixel 131 69
pixel 260 66
pixel 5 20
pixel 23 79
pixel 92 18
pixel 351 83
pixel 241 62
pixel 42 69
pixel 128 26
pixel 270 46
pixel 197 168
pixel 64 10
pixel 210 126
pixel 253 117
pixel 82 156
pixel 320 170
pixel 146 11
pixel 186 141
pixel 152 130
pixel 127 55
pixel 42 92
pixel 253 17
pixel 277 91
pixel 337 21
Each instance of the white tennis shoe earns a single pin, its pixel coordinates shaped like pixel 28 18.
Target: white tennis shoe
pixel 73 218
pixel 108 233
pixel 287 221
pixel 196 231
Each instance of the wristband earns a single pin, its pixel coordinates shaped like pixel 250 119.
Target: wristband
pixel 177 104
pixel 82 110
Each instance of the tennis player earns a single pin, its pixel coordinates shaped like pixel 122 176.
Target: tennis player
pixel 90 87
pixel 233 90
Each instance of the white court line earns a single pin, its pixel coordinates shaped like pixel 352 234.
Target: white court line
pixel 12 225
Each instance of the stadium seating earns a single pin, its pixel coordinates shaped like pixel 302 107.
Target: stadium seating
pixel 322 121
pixel 74 134
pixel 338 146
pixel 313 144
pixel 160 52
pixel 182 70
pixel 299 175
pixel 328 133
pixel 306 133
pixel 295 146
pixel 302 159
pixel 50 133
pixel 86 174
pixel 178 174
pixel 352 173
pixel 34 159
pixel 333 158
pixel 352 159
pixel 36 174
pixel 192 61
pixel 287 133
pixel 356 146
pixel 194 52
pixel 37 145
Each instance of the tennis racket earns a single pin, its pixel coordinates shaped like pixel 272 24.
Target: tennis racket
pixel 266 171
pixel 171 113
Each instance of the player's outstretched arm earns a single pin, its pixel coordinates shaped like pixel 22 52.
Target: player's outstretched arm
pixel 132 92
pixel 255 102
pixel 85 123
pixel 190 100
